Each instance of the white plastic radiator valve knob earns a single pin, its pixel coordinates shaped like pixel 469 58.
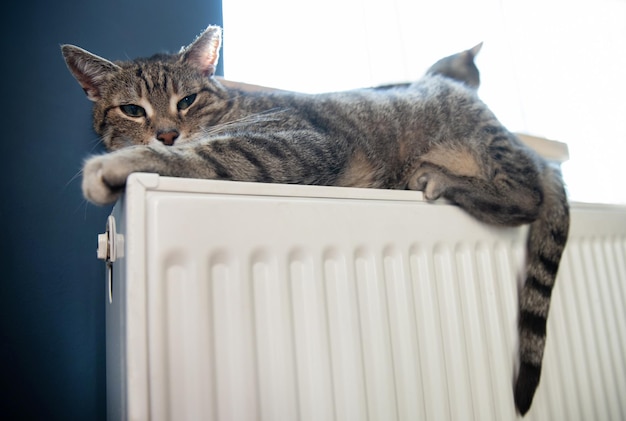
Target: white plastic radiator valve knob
pixel 103 246
pixel 110 244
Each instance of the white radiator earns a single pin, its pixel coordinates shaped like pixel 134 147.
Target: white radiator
pixel 241 301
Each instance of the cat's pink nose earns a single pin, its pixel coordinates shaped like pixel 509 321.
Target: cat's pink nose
pixel 168 136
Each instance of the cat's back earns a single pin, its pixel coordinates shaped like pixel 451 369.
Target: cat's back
pixel 435 106
pixel 433 96
pixel 451 106
pixel 433 112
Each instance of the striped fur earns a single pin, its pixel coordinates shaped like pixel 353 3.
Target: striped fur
pixel 168 115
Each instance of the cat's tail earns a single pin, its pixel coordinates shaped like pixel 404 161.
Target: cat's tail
pixel 546 240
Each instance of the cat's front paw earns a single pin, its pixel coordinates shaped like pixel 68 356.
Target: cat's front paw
pixel 103 179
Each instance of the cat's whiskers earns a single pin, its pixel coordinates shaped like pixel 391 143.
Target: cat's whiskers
pixel 246 121
pixel 95 143
pixel 74 177
pixel 84 204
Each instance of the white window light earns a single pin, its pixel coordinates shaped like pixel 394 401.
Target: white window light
pixel 549 68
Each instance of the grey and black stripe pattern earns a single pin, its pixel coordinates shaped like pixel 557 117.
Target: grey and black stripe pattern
pixel 168 115
pixel 546 241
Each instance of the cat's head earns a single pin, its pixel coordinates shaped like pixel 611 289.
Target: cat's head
pixel 459 66
pixel 167 98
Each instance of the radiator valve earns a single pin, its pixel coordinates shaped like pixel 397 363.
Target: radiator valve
pixel 111 243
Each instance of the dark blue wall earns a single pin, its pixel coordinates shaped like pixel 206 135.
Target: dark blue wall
pixel 51 285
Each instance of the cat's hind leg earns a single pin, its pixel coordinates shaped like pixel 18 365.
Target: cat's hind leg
pixel 502 198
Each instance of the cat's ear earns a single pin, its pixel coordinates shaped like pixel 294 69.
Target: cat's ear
pixel 473 52
pixel 90 71
pixel 204 52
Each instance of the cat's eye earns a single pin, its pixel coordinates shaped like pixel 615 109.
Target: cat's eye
pixel 186 102
pixel 133 110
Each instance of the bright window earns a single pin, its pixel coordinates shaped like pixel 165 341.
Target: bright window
pixel 555 69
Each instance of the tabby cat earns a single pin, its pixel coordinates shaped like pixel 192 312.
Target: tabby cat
pixel 168 115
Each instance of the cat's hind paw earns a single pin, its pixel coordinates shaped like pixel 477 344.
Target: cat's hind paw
pixel 103 180
pixel 431 183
